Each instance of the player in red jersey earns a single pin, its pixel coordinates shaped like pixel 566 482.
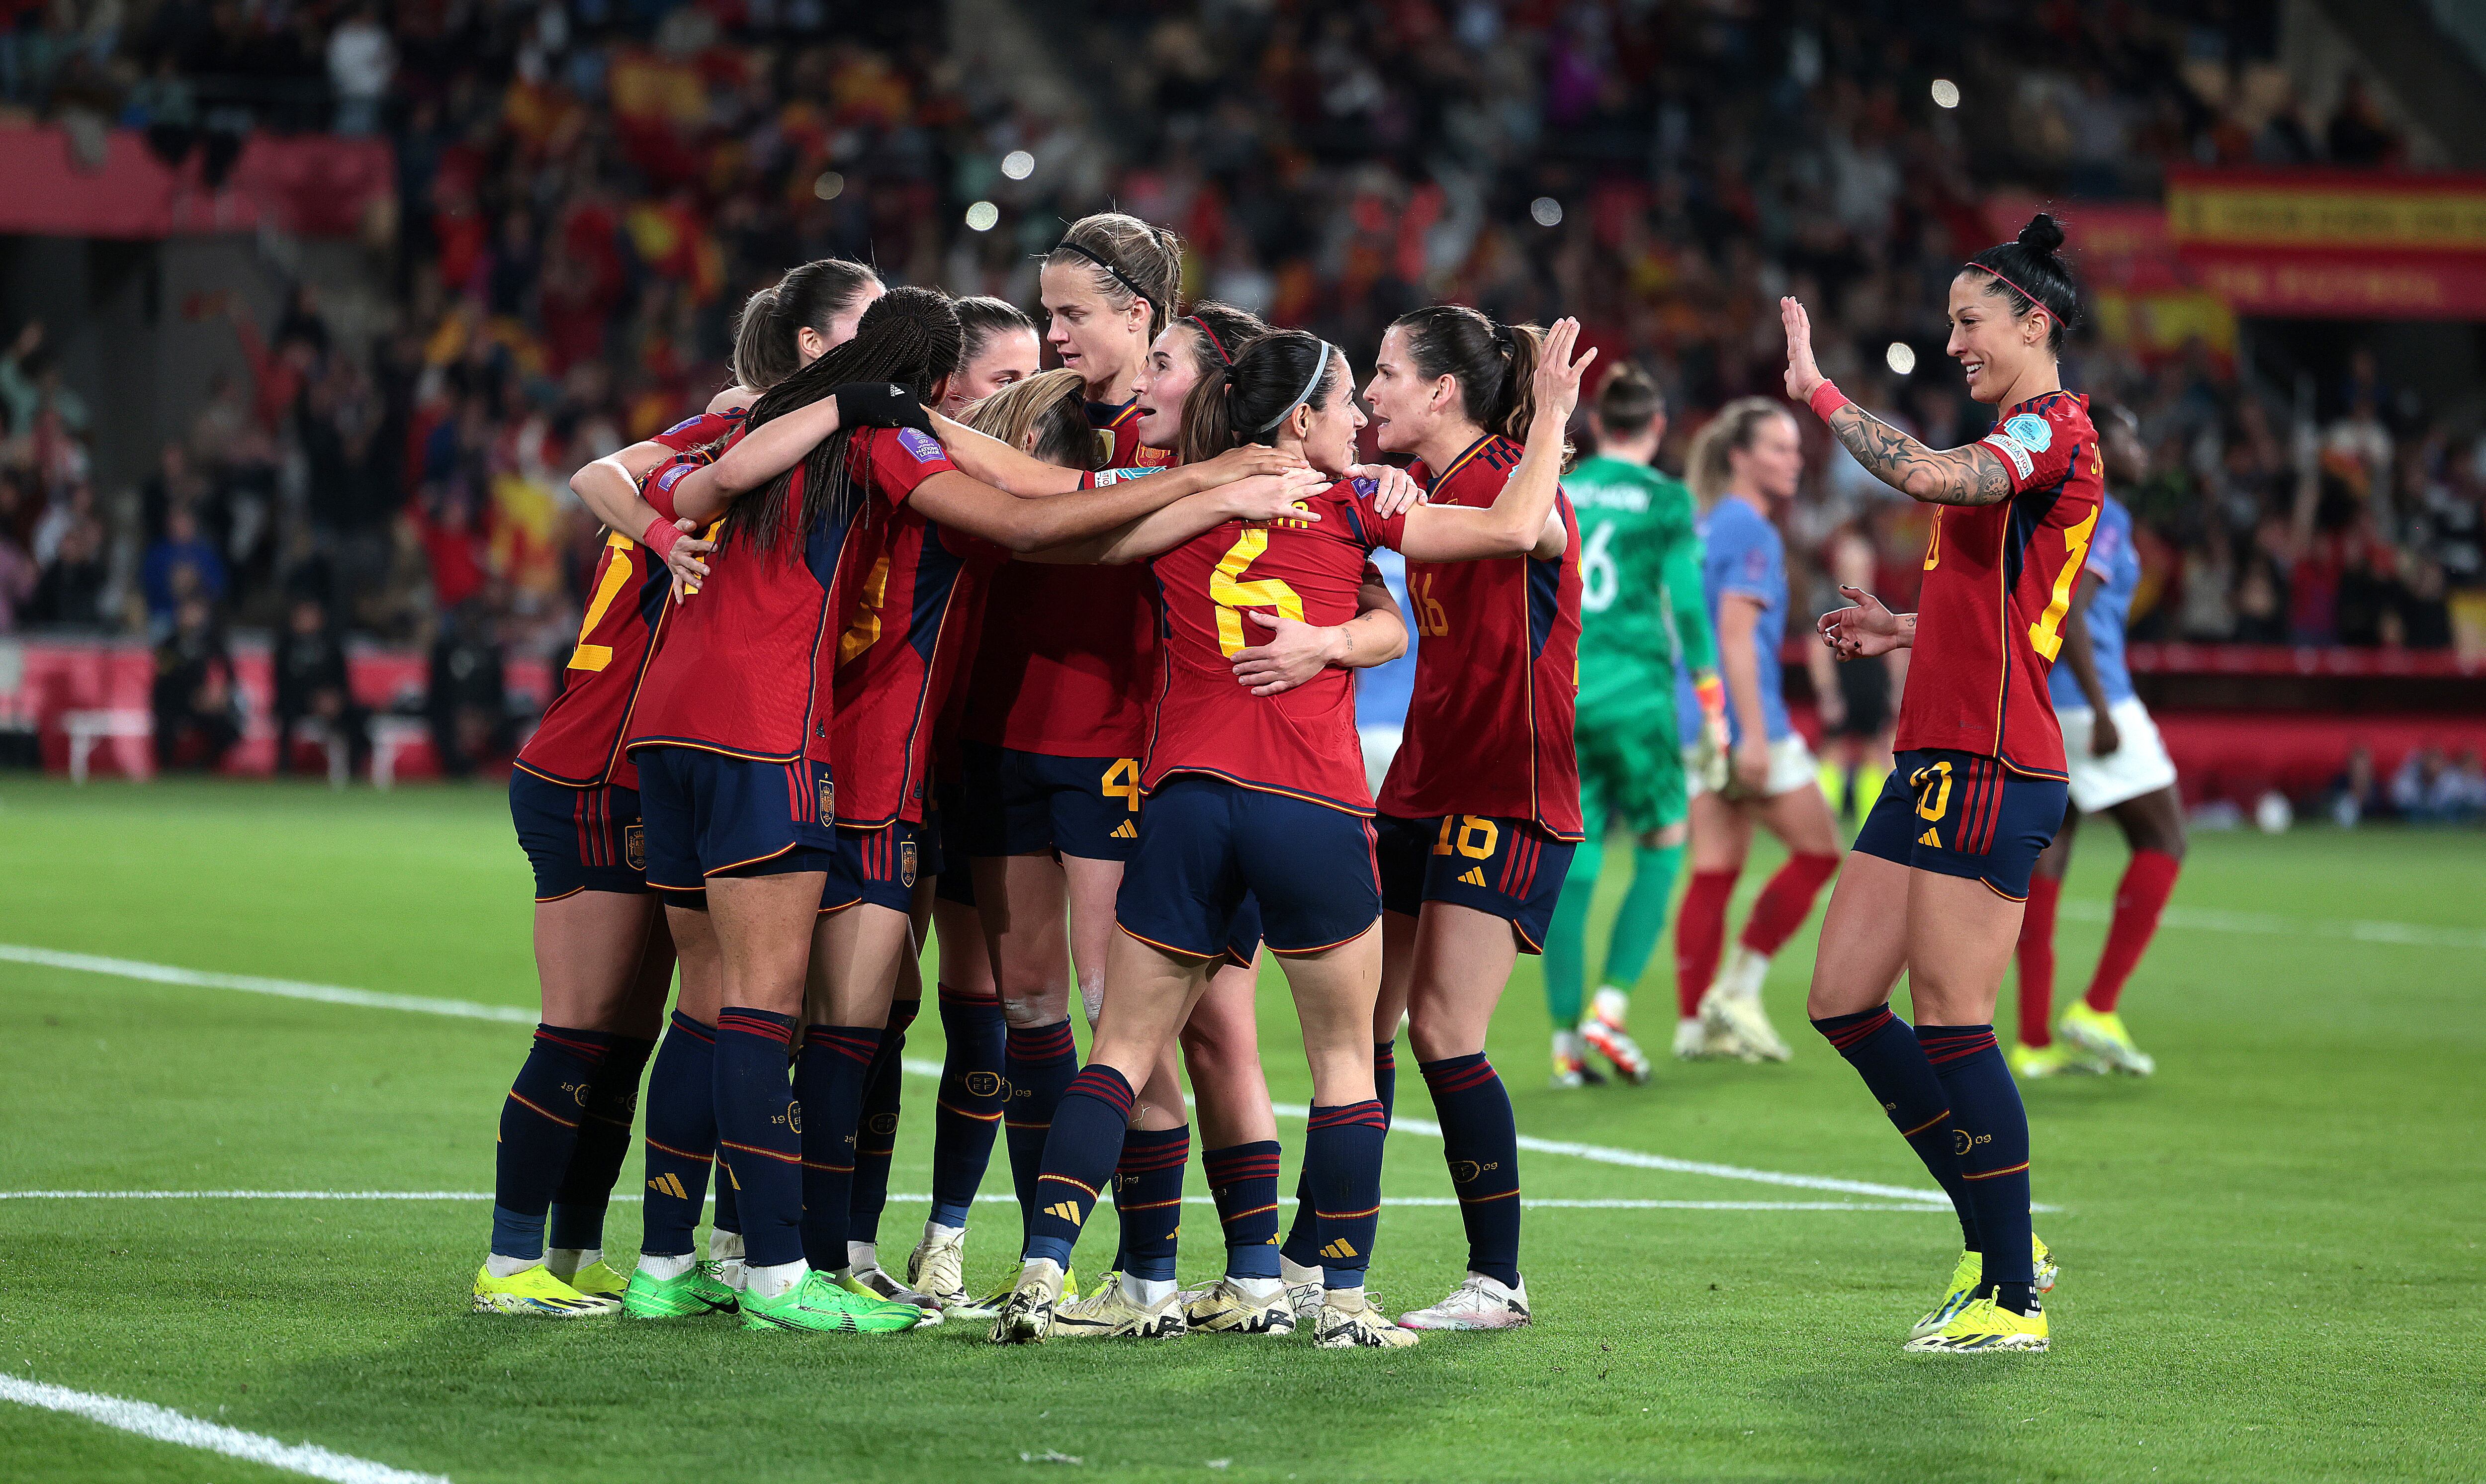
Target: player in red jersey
pixel 999 350
pixel 736 777
pixel 781 329
pixel 1265 796
pixel 1481 806
pixel 1935 882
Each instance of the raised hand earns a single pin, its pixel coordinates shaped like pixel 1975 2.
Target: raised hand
pixel 1802 375
pixel 1558 374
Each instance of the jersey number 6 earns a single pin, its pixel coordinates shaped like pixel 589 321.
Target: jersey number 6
pixel 1229 592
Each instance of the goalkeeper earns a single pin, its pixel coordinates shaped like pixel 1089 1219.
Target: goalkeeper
pixel 1640 617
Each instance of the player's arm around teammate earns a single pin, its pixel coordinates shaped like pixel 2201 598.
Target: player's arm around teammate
pixel 1934 884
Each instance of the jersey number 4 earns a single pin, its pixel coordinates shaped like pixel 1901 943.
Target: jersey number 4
pixel 618 551
pixel 1227 590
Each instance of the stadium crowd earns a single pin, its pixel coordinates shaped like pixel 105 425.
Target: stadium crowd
pixel 588 191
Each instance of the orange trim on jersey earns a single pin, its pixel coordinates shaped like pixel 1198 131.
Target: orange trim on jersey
pixel 1168 947
pixel 782 759
pixel 1323 800
pixel 2027 772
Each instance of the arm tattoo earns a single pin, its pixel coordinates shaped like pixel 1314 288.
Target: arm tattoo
pixel 1968 475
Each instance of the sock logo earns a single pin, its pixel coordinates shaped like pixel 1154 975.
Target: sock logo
pixel 1466 1172
pixel 984 1084
pixel 1475 877
pixel 1065 1209
pixel 669 1184
pixel 794 1118
pixel 884 1123
pixel 1963 1142
pixel 1123 831
pixel 1340 1248
pixel 577 1091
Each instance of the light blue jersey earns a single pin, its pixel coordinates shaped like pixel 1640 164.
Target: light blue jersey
pixel 1382 691
pixel 1742 553
pixel 2118 567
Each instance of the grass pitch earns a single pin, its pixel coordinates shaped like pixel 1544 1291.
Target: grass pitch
pixel 2270 1250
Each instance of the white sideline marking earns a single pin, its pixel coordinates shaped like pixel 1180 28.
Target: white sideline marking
pixel 1011 1200
pixel 165 1425
pixel 2412 935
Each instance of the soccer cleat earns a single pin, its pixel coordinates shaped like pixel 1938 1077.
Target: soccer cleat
pixel 1479 1303
pixel 1355 1323
pixel 1697 1040
pixel 1110 1314
pixel 2103 1036
pixel 2042 1258
pixel 598 1281
pixel 533 1293
pixel 2056 1059
pixel 699 1291
pixel 818 1305
pixel 938 1266
pixel 1571 1067
pixel 1985 1328
pixel 1630 1061
pixel 993 1302
pixel 1026 1316
pixel 1611 1005
pixel 1968 1275
pixel 876 1283
pixel 1742 1017
pixel 1224 1308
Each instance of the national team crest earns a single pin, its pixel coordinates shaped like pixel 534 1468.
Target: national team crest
pixel 907 863
pixel 634 846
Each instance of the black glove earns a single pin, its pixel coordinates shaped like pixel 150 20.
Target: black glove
pixel 879 405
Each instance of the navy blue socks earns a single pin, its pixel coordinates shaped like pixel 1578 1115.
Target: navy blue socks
pixel 1342 1166
pixel 1080 1154
pixel 759 1131
pixel 540 1122
pixel 829 1077
pixel 1886 1053
pixel 1990 1129
pixel 969 1107
pixel 1039 1063
pixel 1148 1197
pixel 1480 1143
pixel 603 1143
pixel 876 1131
pixel 680 1138
pixel 1243 1181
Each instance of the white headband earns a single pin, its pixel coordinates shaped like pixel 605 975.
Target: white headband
pixel 1320 369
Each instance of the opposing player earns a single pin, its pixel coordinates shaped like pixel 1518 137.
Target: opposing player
pixel 1934 884
pixel 1481 807
pixel 1641 612
pixel 1264 795
pixel 1744 466
pixel 736 780
pixel 2120 767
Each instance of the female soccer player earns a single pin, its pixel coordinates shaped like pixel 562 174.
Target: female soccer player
pixel 1481 807
pixel 1639 599
pixel 603 952
pixel 999 350
pixel 1264 795
pixel 2120 767
pixel 736 778
pixel 1934 884
pixel 1745 463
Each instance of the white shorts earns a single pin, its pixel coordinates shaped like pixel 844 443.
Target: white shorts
pixel 2137 765
pixel 1380 746
pixel 1792 766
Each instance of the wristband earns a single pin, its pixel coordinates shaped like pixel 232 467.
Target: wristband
pixel 1826 398
pixel 1711 694
pixel 879 405
pixel 660 538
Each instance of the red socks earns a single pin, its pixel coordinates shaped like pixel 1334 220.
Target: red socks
pixel 2147 882
pixel 2037 961
pixel 1700 937
pixel 1787 900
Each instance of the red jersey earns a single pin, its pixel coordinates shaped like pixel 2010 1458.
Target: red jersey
pixel 897 664
pixel 1498 674
pixel 1997 580
pixel 748 667
pixel 1302 742
pixel 1068 653
pixel 579 742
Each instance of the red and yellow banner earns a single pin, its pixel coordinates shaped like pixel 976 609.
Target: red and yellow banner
pixel 2333 244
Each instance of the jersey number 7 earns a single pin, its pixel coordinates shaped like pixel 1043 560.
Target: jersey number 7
pixel 1231 593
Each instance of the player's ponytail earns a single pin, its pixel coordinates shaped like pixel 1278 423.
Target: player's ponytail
pixel 1494 364
pixel 1046 415
pixel 767 335
pixel 1628 400
pixel 1708 468
pixel 2030 274
pixel 1130 259
pixel 909 337
pixel 1245 403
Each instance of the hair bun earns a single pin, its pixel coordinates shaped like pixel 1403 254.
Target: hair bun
pixel 2042 235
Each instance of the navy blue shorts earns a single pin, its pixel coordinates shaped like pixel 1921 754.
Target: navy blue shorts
pixel 1208 848
pixel 879 866
pixel 1964 815
pixel 957 883
pixel 1510 868
pixel 1243 937
pixel 578 839
pixel 708 815
pixel 1035 804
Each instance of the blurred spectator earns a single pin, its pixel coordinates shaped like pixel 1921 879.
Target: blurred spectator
pixel 75 566
pixel 361 57
pixel 198 705
pixel 27 393
pixel 2357 792
pixel 469 695
pixel 182 552
pixel 311 684
pixel 2432 790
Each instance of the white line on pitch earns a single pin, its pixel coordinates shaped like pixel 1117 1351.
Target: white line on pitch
pixel 1613 1204
pixel 332 994
pixel 165 1425
pixel 2411 935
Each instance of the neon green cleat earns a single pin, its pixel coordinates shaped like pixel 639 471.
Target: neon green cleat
pixel 1985 1328
pixel 818 1305
pixel 2103 1036
pixel 696 1292
pixel 2031 1063
pixel 535 1293
pixel 598 1281
pixel 1969 1275
pixel 922 1305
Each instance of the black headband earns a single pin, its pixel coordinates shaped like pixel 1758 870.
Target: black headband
pixel 1098 258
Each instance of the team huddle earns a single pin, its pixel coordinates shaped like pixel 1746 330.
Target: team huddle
pixel 902 638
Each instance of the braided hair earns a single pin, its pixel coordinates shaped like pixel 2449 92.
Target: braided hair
pixel 909 337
